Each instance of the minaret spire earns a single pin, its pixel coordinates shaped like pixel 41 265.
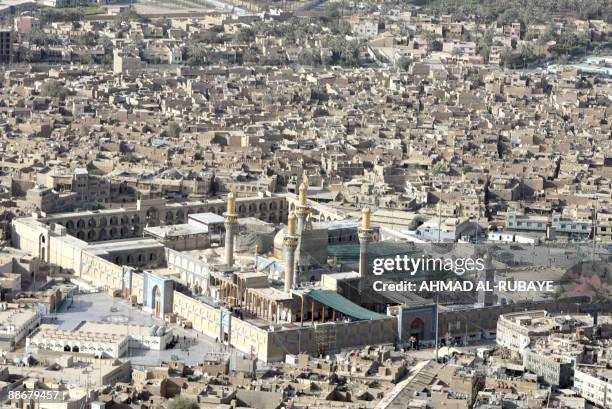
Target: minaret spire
pixel 290 242
pixel 230 221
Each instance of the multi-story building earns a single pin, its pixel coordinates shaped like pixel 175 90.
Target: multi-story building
pixel 89 190
pixel 555 369
pixel 569 226
pixel 25 24
pixel 6 45
pixel 595 385
pixel 124 62
pixel 517 330
pixel 516 221
pixel 575 227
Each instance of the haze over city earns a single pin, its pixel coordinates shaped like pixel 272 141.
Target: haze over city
pixel 305 204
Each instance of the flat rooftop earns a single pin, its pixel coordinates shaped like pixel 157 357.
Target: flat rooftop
pixel 206 218
pixel 11 3
pixel 177 230
pixel 337 224
pixel 14 318
pixel 270 293
pixel 116 328
pixel 122 245
pixel 47 333
pixel 85 213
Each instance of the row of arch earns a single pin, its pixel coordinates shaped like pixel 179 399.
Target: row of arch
pixel 313 215
pixel 94 222
pixel 108 234
pixel 110 227
pixel 97 350
pixel 137 259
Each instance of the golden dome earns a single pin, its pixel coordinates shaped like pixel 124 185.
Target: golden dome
pixel 278 244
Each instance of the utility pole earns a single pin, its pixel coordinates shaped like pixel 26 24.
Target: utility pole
pixel 594 229
pixel 439 222
pixel 437 306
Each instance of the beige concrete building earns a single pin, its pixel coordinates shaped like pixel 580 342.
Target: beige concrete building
pixel 15 324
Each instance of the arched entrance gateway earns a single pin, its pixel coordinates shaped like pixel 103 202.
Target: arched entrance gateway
pixel 156 301
pixel 417 332
pixel 42 246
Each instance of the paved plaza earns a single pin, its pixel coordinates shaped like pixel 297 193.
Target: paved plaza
pixel 192 346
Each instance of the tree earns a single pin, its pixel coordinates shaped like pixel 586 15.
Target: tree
pixel 130 158
pixel 526 53
pixel 345 53
pixel 310 57
pixel 129 15
pixel 183 403
pixel 49 15
pixel 438 168
pixel 430 37
pixel 404 63
pixel 54 89
pixel 509 16
pixel 196 54
pixel 333 11
pixel 506 57
pixel 245 36
pixel 28 55
pixel 210 37
pixel 89 39
pixel 40 38
pixel 172 131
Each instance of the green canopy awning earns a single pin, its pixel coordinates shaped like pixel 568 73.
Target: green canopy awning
pixel 343 305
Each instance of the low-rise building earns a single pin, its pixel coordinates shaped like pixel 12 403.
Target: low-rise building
pixel 15 324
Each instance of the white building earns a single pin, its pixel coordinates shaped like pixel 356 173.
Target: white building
pixel 104 340
pixel 364 27
pixel 447 230
pixel 60 3
pixel 51 338
pixel 163 54
pixel 140 336
pixel 518 330
pixel 515 331
pixel 595 385
pixel 515 237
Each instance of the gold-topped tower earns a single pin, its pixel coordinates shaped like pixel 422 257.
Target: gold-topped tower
pixel 230 221
pixel 290 242
pixel 366 235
